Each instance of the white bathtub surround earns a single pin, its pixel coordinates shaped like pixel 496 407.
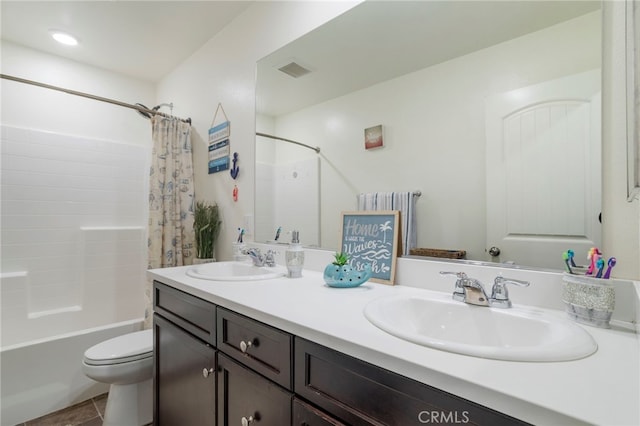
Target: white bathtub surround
pixel 45 375
pixel 603 388
pixel 73 261
pixel 295 180
pixel 72 233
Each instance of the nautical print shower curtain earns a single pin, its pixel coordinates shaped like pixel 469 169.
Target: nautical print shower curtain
pixel 171 199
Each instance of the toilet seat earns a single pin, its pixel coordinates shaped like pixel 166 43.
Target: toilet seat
pixel 126 348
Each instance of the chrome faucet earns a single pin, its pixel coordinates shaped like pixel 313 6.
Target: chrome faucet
pixel 260 259
pixel 499 292
pixel 471 290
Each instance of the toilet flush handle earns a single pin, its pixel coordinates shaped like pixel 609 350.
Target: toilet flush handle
pixel 206 372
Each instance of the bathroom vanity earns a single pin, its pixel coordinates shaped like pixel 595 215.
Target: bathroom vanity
pixel 296 352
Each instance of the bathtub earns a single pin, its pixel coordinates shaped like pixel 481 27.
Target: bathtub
pixel 45 375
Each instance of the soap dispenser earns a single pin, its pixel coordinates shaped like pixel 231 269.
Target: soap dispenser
pixel 294 256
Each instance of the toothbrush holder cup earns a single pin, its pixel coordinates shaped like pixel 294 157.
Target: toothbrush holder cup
pixel 588 300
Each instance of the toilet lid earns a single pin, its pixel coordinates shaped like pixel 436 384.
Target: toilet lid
pixel 125 348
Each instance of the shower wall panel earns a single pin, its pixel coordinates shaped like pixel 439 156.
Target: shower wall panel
pixel 73 220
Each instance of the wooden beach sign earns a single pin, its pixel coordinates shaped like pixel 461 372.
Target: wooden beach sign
pixel 372 237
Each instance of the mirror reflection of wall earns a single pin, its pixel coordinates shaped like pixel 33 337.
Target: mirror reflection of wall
pixel 288 196
pixel 434 120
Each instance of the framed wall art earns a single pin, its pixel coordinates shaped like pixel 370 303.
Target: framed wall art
pixel 372 237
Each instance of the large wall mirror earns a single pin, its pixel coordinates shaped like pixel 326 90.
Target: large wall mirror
pixel 491 110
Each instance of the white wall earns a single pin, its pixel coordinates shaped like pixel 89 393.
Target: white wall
pixel 223 71
pixel 434 132
pixel 34 107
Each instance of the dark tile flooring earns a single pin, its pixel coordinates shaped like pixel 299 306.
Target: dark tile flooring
pixel 87 413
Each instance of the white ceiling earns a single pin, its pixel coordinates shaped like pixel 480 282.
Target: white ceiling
pixel 373 42
pixel 379 40
pixel 143 39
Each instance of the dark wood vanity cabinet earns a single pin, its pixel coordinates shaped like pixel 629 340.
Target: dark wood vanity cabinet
pixel 360 393
pixel 263 348
pixel 184 379
pixel 305 414
pixel 246 398
pixel 194 315
pixel 184 373
pixel 213 366
pixel 254 372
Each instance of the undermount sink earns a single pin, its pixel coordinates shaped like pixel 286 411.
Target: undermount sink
pixel 515 334
pixel 235 271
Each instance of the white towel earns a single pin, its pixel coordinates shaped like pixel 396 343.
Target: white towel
pixel 405 202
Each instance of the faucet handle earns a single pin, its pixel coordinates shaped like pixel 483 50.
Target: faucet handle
pixel 460 275
pixel 499 292
pixel 269 258
pixel 458 292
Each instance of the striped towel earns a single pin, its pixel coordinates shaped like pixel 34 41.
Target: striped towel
pixel 405 202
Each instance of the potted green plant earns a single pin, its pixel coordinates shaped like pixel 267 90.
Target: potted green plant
pixel 206 226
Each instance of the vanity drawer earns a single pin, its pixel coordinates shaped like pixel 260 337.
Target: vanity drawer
pixel 194 315
pixel 260 347
pixel 363 394
pixel 307 415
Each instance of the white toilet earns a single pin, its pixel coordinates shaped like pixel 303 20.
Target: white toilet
pixel 126 363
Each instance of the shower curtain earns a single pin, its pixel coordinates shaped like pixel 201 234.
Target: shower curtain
pixel 171 199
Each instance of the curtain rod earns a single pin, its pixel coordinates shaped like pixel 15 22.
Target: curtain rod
pixel 316 149
pixel 89 96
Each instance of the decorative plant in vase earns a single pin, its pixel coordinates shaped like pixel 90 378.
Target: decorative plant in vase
pixel 206 226
pixel 340 274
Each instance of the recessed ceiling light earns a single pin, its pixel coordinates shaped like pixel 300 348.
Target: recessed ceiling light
pixel 64 38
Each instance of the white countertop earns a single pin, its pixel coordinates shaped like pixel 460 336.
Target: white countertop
pixel 603 388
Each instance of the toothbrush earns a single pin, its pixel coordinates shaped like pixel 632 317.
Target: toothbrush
pixel 591 262
pixel 240 234
pixel 566 257
pixel 593 258
pixel 611 263
pixel 600 266
pixel 278 233
pixel 571 254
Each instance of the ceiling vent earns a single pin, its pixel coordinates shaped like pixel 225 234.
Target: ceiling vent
pixel 294 70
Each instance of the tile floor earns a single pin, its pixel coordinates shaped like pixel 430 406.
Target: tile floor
pixel 87 413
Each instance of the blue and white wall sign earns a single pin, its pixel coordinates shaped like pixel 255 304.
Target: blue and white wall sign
pixel 219 156
pixel 374 238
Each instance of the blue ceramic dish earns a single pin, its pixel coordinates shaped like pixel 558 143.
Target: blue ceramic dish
pixel 345 276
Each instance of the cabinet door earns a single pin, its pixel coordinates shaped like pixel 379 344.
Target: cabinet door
pixel 184 377
pixel 246 398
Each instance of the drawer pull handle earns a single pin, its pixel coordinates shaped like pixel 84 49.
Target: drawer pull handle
pixel 244 346
pixel 247 420
pixel 206 372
